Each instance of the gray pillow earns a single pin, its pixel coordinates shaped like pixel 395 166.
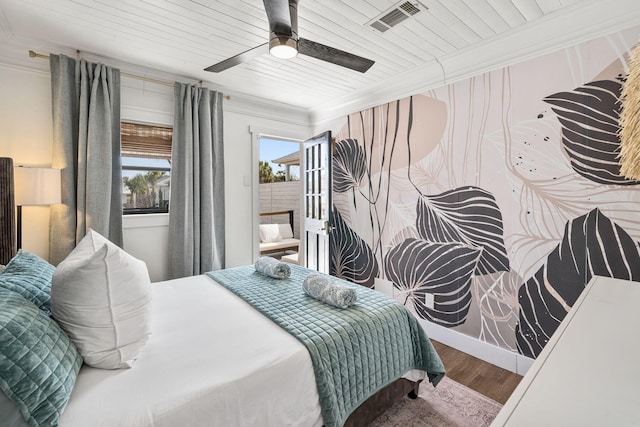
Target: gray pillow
pixel 270 266
pixel 328 290
pixel 30 276
pixel 38 362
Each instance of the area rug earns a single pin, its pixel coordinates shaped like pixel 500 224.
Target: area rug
pixel 450 404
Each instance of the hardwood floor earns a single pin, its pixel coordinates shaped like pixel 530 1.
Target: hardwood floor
pixel 485 378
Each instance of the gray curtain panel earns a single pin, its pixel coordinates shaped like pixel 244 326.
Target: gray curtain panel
pixel 86 146
pixel 196 207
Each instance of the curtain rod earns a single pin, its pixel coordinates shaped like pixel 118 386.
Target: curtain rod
pixel 33 54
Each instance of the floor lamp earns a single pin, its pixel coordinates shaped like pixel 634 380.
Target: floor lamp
pixel 34 186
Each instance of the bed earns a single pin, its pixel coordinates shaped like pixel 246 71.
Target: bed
pixel 218 356
pixel 211 360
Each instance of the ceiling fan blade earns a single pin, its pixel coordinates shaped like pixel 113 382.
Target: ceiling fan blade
pixel 333 55
pixel 279 16
pixel 240 58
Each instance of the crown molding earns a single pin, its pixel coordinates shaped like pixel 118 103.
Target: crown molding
pixel 580 22
pixel 6 34
pixel 241 103
pixel 15 54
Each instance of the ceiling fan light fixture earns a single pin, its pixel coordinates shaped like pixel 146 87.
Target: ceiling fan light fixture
pixel 283 47
pixel 285 43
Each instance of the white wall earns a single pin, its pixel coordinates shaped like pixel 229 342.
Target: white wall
pixel 147 237
pixel 25 120
pixel 25 124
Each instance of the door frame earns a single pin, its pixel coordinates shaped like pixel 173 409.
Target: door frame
pixel 258 132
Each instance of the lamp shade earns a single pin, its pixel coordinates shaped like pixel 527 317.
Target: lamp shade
pixel 36 186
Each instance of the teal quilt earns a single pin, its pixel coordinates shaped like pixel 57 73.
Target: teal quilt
pixel 355 351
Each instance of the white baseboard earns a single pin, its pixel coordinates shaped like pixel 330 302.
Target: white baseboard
pixel 495 355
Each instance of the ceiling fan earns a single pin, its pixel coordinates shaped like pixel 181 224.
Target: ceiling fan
pixel 285 43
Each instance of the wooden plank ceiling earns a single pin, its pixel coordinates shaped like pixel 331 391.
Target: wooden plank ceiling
pixel 185 36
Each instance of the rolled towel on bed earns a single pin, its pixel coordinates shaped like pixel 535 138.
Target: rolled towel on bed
pixel 329 291
pixel 272 267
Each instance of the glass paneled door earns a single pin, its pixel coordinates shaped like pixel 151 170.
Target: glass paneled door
pixel 316 166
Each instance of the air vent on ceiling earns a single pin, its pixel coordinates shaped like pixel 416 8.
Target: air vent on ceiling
pixel 395 15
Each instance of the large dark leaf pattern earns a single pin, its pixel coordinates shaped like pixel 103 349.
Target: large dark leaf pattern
pixel 349 166
pixel 493 315
pixel 351 257
pixel 589 118
pixel 467 215
pixel 592 245
pixel 417 267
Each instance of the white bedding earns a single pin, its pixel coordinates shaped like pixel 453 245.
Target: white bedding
pixel 211 360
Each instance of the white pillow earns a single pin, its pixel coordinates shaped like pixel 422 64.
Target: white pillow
pixel 270 233
pixel 101 297
pixel 285 231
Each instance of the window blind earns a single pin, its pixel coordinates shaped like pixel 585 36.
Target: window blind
pixel 149 141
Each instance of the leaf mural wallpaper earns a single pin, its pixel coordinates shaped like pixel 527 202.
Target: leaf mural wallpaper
pixel 592 245
pixel 348 165
pixel 467 215
pixel 351 257
pixel 499 195
pixel 589 118
pixel 444 270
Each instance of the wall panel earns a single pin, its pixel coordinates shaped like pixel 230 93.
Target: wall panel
pixel 499 195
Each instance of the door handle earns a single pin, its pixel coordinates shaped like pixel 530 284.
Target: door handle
pixel 326 227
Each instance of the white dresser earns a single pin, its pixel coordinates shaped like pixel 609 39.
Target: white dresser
pixel 589 372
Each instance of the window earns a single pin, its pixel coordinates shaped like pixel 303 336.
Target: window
pixel 146 168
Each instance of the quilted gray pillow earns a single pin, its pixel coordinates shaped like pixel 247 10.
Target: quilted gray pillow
pixel 38 362
pixel 30 276
pixel 328 290
pixel 272 267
